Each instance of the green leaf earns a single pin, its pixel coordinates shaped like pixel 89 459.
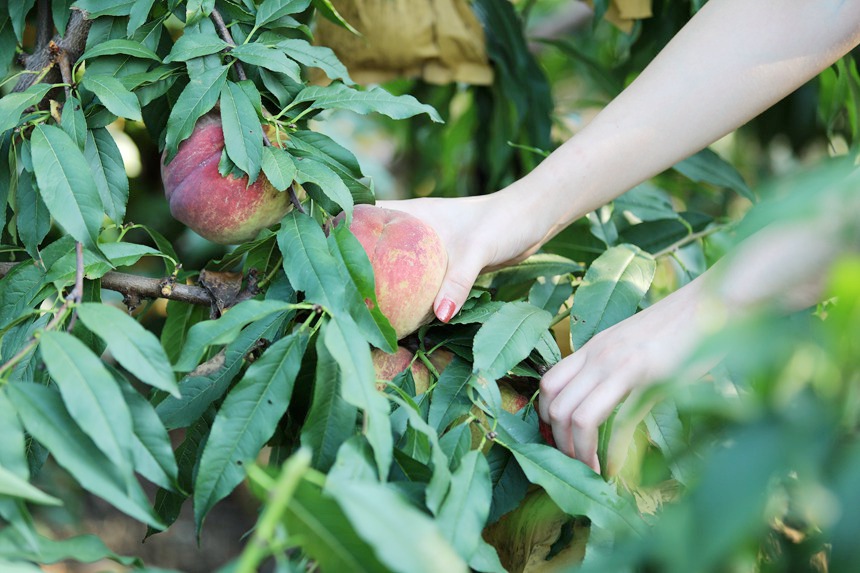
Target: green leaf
pixel 73 121
pixel 243 135
pixel 196 10
pixel 12 454
pixel 309 265
pixel 539 265
pixel 327 535
pixel 331 419
pixel 549 293
pixel 269 58
pixel 45 418
pixel 18 14
pixel 33 218
pixel 96 8
pixel 118 46
pixel 279 167
pixel 195 45
pixel 246 420
pixel 316 57
pixel 708 167
pixel 66 184
pixel 225 329
pixel 610 292
pixel 15 486
pixel 271 10
pixel 360 288
pixel 117 254
pixel 576 488
pixel 327 10
pixel 12 105
pixel 345 342
pixel 646 203
pixel 199 96
pixel 328 182
pixel 20 289
pixel 113 95
pixel 667 433
pixel 152 450
pixel 376 99
pixel 137 17
pixel 91 394
pixel 211 380
pixel 108 171
pixel 180 317
pixel 405 539
pixel 134 347
pixel 508 337
pixel 81 548
pixel 464 512
pixel 450 397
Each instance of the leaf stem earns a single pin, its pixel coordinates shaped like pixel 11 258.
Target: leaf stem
pixel 279 499
pixel 689 239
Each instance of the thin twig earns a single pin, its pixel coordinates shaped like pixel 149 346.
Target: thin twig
pixel 294 198
pixel 225 34
pixel 687 240
pixel 65 72
pixel 77 294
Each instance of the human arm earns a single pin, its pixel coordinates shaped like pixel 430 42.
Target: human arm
pixel 581 391
pixel 733 60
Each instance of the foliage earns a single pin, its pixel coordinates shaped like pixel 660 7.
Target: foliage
pixel 273 388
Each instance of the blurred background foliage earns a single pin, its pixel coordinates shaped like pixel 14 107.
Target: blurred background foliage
pixel 775 433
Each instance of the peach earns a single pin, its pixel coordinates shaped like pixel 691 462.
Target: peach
pixel 387 366
pixel 225 210
pixel 408 260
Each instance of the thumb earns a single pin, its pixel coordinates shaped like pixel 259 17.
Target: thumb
pixel 455 288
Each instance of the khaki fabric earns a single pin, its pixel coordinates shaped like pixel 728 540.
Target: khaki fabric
pixel 440 41
pixel 623 13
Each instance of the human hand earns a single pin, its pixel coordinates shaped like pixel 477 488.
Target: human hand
pixel 480 233
pixel 579 393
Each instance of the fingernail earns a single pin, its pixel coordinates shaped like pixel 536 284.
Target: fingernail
pixel 445 310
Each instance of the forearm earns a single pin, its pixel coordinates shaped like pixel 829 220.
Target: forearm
pixel 732 61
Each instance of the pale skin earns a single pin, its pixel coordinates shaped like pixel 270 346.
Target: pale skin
pixel 732 61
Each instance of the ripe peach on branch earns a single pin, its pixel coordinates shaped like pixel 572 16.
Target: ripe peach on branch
pixel 408 260
pixel 225 210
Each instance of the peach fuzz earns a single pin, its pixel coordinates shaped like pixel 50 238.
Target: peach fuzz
pixel 225 210
pixel 408 260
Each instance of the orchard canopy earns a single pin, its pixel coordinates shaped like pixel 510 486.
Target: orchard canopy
pixel 211 340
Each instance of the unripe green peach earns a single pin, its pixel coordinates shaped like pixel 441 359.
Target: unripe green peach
pixel 225 210
pixel 387 366
pixel 408 260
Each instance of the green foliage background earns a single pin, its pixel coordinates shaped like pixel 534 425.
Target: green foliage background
pixel 755 469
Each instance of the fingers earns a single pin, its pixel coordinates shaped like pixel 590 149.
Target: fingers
pixel 456 285
pixel 576 398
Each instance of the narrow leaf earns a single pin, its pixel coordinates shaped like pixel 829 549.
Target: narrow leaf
pixel 118 46
pixel 279 167
pixel 243 135
pixel 134 347
pixel 108 171
pixel 66 184
pixel 223 330
pixel 246 420
pixel 508 337
pixel 611 291
pixel 199 96
pixel 113 95
pixel 45 418
pixel 90 393
pixel 376 99
pixel 344 341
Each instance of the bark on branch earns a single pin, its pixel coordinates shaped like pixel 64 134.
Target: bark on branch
pixel 70 46
pixel 142 287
